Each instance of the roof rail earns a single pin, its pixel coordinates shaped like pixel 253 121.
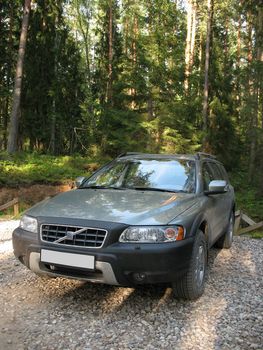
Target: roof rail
pixel 206 155
pixel 129 154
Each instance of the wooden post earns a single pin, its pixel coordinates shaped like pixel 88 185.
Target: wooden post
pixel 238 215
pixel 16 207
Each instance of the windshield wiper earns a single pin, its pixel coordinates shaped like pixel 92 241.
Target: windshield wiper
pixel 100 187
pixel 154 189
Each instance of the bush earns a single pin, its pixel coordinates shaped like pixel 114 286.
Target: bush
pixel 25 168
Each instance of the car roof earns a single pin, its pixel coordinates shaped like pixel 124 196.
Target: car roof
pixel 138 155
pixel 134 155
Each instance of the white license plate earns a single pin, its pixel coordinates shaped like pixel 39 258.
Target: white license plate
pixel 68 259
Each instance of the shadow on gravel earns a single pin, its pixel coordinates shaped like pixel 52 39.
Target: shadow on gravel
pixel 118 298
pixel 239 280
pixel 145 308
pixel 111 299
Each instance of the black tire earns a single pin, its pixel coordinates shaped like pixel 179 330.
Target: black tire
pixel 191 285
pixel 226 240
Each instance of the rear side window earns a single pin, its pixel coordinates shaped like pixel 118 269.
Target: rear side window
pixel 208 175
pixel 217 175
pixel 223 172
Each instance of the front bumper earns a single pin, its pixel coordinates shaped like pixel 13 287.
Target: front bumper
pixel 123 264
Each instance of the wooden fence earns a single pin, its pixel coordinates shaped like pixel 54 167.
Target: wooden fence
pixel 13 203
pixel 244 218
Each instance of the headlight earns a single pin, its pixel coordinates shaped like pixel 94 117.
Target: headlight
pixel 152 234
pixel 28 223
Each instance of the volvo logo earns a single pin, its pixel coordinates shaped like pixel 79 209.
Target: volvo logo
pixel 70 235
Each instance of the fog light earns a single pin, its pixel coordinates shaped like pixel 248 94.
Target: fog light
pixel 139 276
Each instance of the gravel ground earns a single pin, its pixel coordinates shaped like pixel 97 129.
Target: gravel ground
pixel 6 228
pixel 65 314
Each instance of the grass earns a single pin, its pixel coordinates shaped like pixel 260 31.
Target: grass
pixel 27 169
pixel 256 234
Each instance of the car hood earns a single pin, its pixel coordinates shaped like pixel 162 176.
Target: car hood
pixel 125 206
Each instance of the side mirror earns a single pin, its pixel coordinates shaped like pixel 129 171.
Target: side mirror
pixel 79 180
pixel 217 187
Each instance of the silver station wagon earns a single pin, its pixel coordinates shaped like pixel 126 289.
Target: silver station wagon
pixel 140 219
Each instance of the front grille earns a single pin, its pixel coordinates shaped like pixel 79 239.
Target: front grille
pixel 73 235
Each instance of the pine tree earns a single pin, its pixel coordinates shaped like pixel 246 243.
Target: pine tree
pixel 14 120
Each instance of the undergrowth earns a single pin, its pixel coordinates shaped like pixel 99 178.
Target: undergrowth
pixel 248 198
pixel 32 168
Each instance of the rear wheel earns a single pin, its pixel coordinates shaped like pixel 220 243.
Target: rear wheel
pixel 191 285
pixel 226 240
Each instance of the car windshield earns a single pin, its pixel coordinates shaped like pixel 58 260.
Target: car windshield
pixel 177 175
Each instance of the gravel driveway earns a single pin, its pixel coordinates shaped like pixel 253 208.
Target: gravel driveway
pixel 65 314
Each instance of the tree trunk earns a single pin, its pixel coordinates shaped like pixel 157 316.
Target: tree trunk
pixel 134 57
pixel 207 62
pixel 192 46
pixel 150 111
pixel 126 31
pixel 14 120
pixel 8 77
pixel 84 29
pixel 200 59
pixel 54 113
pixel 109 85
pixel 238 92
pixel 251 92
pixel 259 44
pixel 190 42
pixel 188 45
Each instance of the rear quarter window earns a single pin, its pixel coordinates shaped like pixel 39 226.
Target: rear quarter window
pixel 218 173
pixel 223 172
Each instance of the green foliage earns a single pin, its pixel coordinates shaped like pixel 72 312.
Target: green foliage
pixel 52 68
pixel 256 235
pixel 31 168
pixel 247 196
pixel 221 134
pixel 132 136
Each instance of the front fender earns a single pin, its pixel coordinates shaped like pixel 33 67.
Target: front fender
pixel 193 218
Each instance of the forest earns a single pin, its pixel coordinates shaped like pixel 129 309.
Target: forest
pixel 100 77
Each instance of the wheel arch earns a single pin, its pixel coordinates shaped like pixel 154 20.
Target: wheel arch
pixel 201 223
pixel 204 228
pixel 234 208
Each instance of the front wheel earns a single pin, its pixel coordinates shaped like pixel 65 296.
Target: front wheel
pixel 191 285
pixel 226 240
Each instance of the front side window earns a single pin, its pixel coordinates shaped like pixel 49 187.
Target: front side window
pixel 166 174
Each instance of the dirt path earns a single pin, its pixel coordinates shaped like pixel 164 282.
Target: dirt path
pixel 66 314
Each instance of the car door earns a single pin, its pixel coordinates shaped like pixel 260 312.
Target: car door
pixel 216 202
pixel 223 200
pixel 229 198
